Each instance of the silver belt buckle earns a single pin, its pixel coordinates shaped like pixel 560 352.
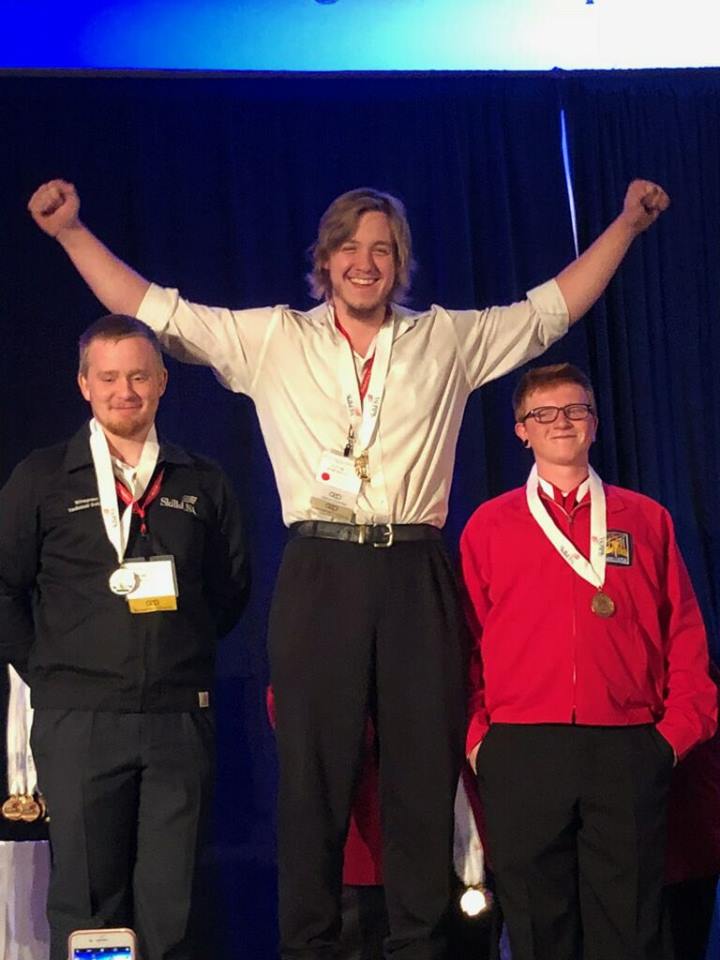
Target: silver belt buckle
pixel 389 541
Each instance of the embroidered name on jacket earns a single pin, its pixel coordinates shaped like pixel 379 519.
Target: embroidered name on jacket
pixel 618 548
pixel 186 503
pixel 85 503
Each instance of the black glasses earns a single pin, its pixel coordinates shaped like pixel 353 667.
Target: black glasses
pixel 573 411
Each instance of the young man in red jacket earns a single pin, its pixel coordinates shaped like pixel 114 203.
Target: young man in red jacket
pixel 589 681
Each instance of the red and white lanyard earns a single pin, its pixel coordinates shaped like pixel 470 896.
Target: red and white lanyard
pixel 117 528
pixel 363 399
pixel 139 507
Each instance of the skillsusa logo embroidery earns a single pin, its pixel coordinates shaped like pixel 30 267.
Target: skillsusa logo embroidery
pixel 186 503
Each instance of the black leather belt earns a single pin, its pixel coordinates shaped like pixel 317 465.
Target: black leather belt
pixel 372 534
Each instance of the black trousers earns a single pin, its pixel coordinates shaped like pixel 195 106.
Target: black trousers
pixel 354 629
pixel 576 834
pixel 127 796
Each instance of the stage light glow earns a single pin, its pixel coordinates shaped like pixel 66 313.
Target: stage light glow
pixel 356 35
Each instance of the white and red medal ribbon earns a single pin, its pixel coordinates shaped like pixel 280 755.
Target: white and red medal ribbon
pixel 592 570
pixel 117 528
pixel 364 398
pixel 368 363
pixel 21 773
pixel 468 853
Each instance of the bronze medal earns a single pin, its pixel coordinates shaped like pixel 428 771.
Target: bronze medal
pixel 30 809
pixel 361 466
pixel 602 605
pixel 12 808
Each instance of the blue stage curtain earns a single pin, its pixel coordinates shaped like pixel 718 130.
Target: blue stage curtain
pixel 654 340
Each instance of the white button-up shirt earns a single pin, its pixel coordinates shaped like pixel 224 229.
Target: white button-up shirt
pixel 289 362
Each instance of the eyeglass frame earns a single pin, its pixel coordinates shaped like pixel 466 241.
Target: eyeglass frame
pixel 590 412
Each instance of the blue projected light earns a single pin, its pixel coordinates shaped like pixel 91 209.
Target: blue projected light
pixel 335 35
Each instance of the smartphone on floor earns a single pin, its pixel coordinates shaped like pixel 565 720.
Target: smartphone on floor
pixel 109 944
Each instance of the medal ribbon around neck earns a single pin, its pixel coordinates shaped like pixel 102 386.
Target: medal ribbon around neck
pixel 117 528
pixel 592 570
pixel 364 408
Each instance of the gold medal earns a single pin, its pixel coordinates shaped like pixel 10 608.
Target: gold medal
pixel 12 808
pixel 602 605
pixel 361 466
pixel 30 809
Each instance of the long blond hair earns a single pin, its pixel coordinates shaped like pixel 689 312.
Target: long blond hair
pixel 339 223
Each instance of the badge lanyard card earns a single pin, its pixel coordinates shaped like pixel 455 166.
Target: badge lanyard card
pixel 340 476
pixel 148 585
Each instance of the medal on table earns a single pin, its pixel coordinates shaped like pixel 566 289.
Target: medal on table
pixel 12 808
pixel 21 804
pixel 30 809
pixel 592 570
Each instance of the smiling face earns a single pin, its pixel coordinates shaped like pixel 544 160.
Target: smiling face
pixel 564 442
pixel 123 381
pixel 362 270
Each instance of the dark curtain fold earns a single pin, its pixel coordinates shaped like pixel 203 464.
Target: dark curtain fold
pixel 654 340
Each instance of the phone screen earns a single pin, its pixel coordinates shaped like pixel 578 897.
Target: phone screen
pixel 102 953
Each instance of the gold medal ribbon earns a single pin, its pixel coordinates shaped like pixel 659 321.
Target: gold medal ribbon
pixel 593 569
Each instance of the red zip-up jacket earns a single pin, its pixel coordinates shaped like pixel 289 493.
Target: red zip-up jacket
pixel 542 656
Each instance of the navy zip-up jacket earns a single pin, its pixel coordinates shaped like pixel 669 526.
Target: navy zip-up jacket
pixel 75 642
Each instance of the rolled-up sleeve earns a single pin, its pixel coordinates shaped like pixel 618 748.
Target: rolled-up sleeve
pixel 230 341
pixel 494 341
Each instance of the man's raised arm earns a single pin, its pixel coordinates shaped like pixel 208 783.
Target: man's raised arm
pixel 583 281
pixel 54 207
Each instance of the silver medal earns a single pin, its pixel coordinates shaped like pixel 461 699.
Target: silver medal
pixel 123 581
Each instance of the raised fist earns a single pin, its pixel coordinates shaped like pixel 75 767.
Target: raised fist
pixel 644 202
pixel 55 206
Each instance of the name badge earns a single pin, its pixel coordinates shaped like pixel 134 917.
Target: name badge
pixel 336 488
pixel 156 588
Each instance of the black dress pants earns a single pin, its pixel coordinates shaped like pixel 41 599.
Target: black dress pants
pixel 127 796
pixel 576 834
pixel 357 630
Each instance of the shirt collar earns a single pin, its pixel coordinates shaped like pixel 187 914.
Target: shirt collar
pixel 404 318
pixel 78 453
pixel 554 493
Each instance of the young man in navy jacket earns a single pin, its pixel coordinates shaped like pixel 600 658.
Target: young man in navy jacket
pixel 122 563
